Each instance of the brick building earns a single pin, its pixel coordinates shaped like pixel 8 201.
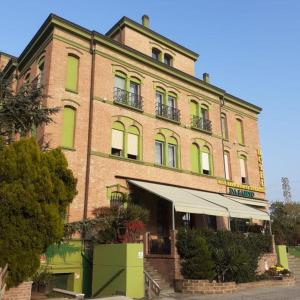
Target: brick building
pixel 135 119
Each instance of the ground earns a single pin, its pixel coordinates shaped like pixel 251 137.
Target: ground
pixel 270 293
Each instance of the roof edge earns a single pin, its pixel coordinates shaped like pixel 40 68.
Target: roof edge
pixel 149 32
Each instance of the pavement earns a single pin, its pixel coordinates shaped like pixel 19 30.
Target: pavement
pixel 269 293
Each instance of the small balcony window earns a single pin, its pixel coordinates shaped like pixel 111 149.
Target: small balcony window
pixel 168 59
pixel 156 54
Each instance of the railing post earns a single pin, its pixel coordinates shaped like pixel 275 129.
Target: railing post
pixel 146 243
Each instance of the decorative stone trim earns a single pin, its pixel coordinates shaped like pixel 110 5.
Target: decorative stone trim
pixel 21 292
pixel 188 286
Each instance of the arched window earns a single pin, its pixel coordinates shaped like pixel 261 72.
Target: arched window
pixel 168 59
pixel 27 79
pixel 160 96
pixel 68 132
pixel 134 98
pixel 240 131
pixel 243 168
pixel 204 112
pixel 227 168
pixel 205 161
pixel 194 108
pixel 159 149
pixel 172 152
pixel 156 54
pixel 195 155
pixel 224 127
pixel 72 73
pixel 116 199
pixel 117 140
pixel 41 67
pixel 133 142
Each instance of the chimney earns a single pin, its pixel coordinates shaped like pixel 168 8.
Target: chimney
pixel 206 77
pixel 145 21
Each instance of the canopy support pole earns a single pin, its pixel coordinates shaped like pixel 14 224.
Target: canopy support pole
pixel 173 216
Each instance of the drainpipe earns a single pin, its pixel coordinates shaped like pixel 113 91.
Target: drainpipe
pixel 90 127
pixel 173 216
pixel 222 103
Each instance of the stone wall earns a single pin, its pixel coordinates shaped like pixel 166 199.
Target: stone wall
pixel 188 286
pixel 21 292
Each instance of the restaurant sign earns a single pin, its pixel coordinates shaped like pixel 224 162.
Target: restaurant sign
pixel 241 193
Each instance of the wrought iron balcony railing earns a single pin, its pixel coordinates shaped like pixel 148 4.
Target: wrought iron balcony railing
pixel 202 124
pixel 168 112
pixel 127 98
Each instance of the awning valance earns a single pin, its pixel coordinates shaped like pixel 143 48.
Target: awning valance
pixel 200 202
pixel 249 201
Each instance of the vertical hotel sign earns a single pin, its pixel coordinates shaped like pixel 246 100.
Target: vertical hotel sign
pixel 260 168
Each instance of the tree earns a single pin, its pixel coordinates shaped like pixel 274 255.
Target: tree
pixel 196 256
pixel 286 222
pixel 23 110
pixel 35 190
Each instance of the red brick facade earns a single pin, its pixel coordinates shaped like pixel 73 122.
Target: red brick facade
pixel 129 51
pixel 21 292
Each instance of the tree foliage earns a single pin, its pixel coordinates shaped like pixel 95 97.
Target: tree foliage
pixel 233 256
pixel 286 222
pixel 35 190
pixel 23 110
pixel 196 257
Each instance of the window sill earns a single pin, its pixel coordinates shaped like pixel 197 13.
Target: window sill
pixel 167 119
pixel 167 167
pixel 128 106
pixel 71 91
pixel 243 145
pixel 201 130
pixel 67 148
pixel 125 158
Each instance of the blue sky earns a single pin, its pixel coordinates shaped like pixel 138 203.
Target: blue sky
pixel 249 48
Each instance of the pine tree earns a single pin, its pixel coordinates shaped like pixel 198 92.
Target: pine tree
pixel 35 190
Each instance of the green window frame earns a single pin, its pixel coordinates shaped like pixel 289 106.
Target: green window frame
pixel 240 131
pixel 68 130
pixel 227 166
pixel 160 140
pixel 243 169
pixel 224 126
pixel 72 73
pixel 117 139
pixel 172 155
pixel 205 161
pixel 126 142
pixel 195 156
pixel 194 108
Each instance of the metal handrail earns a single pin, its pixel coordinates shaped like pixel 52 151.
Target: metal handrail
pixel 168 112
pixel 3 274
pixel 151 285
pixel 127 98
pixel 201 123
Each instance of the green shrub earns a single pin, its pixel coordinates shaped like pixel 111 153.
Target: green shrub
pixel 193 249
pixel 235 255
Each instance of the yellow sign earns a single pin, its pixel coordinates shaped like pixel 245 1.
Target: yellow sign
pixel 260 169
pixel 241 186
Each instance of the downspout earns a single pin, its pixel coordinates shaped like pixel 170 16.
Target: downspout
pixel 90 127
pixel 222 103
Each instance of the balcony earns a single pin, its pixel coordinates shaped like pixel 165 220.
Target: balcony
pixel 201 124
pixel 168 112
pixel 128 99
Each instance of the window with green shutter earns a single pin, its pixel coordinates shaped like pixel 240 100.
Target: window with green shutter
pixel 72 73
pixel 68 127
pixel 195 158
pixel 240 132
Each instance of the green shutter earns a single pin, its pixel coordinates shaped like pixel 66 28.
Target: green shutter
pixel 195 158
pixel 240 135
pixel 194 108
pixel 68 127
pixel 72 73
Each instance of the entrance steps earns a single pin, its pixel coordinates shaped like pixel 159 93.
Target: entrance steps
pixel 294 266
pixel 164 285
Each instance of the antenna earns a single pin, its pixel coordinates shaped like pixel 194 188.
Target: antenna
pixel 286 190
